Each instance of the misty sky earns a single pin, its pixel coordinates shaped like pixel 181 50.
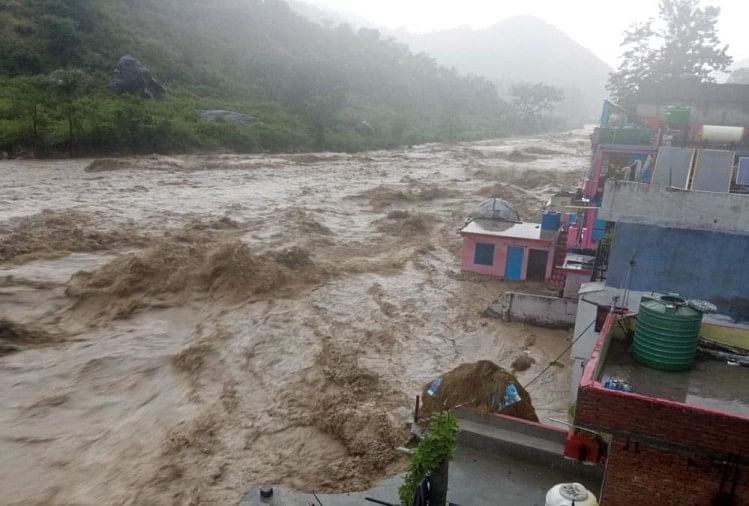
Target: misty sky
pixel 596 25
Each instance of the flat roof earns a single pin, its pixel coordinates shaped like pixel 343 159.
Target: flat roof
pixel 711 384
pixel 509 229
pixel 578 262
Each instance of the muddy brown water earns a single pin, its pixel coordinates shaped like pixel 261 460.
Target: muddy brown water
pixel 179 329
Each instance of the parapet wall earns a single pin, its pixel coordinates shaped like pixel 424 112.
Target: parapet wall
pixel 539 310
pixel 663 206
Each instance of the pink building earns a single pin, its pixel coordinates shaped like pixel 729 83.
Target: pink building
pixel 509 250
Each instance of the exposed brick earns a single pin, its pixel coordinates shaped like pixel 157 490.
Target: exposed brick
pixel 673 454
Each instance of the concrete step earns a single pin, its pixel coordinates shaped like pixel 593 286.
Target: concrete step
pixel 508 443
pixel 530 442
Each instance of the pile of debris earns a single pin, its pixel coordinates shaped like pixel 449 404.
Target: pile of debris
pixel 482 385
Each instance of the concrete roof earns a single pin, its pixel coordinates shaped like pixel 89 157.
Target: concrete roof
pixel 710 384
pixel 475 478
pixel 508 229
pixel 577 262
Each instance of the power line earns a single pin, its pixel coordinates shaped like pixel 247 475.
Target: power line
pixel 560 355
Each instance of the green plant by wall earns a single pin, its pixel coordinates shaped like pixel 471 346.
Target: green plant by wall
pixel 438 446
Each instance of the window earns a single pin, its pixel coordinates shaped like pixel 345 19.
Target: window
pixel 484 254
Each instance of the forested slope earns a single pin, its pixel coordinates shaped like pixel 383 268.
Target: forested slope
pixel 309 86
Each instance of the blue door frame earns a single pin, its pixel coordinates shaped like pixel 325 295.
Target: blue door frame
pixel 514 263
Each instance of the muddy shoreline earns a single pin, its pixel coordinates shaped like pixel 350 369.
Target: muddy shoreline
pixel 178 328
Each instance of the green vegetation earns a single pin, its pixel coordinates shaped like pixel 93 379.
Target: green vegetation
pixel 310 86
pixel 437 447
pixel 533 103
pixel 684 43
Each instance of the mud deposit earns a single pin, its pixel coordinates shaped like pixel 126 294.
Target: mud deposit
pixel 173 330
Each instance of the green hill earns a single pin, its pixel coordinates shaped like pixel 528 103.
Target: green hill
pixel 310 86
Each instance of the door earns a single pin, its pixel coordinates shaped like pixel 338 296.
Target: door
pixel 514 263
pixel 537 260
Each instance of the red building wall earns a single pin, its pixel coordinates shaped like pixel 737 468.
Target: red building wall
pixel 662 452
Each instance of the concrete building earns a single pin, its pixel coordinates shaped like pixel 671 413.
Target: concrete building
pixel 679 438
pixel 670 240
pixel 511 251
pixel 496 243
pixel 707 103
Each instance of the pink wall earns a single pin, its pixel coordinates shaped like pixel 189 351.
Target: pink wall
pixel 500 254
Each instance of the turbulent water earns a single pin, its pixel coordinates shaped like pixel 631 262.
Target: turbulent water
pixel 178 329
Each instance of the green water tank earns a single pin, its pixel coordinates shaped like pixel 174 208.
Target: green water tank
pixel 678 114
pixel 666 333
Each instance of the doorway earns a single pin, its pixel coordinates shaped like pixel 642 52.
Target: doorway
pixel 514 263
pixel 537 261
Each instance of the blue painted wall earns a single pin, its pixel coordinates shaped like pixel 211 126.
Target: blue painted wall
pixel 694 263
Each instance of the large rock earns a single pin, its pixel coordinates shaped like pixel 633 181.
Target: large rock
pixel 131 76
pixel 228 116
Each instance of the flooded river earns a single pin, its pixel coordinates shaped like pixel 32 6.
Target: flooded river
pixel 173 330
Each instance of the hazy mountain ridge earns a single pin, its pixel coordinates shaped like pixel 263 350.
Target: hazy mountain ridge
pixel 521 48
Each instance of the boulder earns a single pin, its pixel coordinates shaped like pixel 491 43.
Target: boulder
pixel 364 128
pixel 131 76
pixel 228 116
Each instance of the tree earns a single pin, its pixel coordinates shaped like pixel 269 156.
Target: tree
pixel 68 87
pixel 30 102
pixel 532 101
pixel 683 44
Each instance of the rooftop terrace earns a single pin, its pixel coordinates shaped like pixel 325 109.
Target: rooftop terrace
pixel 712 384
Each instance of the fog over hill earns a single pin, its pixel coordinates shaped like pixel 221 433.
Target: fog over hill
pixel 518 49
pixel 521 48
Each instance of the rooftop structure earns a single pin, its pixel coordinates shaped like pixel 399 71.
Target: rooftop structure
pixel 510 250
pixel 703 103
pixel 678 438
pixel 523 230
pixel 710 384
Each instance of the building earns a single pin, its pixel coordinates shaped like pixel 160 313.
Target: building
pixel 702 103
pixel 496 243
pixel 666 185
pixel 680 438
pixel 674 240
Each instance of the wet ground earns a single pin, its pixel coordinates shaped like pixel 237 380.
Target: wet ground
pixel 174 329
pixel 710 384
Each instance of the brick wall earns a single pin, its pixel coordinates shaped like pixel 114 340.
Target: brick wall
pixel 641 475
pixel 674 450
pixel 692 427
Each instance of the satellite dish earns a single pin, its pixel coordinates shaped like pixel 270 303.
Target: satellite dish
pixel 702 306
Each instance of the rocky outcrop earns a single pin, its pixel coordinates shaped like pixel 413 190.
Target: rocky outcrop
pixel 228 116
pixel 131 76
pixel 364 128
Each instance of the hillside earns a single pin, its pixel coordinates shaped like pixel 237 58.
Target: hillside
pixel 310 86
pixel 522 48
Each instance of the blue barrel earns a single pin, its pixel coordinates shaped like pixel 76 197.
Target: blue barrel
pixel 571 218
pixel 551 220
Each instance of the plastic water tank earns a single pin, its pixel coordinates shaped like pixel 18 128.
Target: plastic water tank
pixel 666 333
pixel 551 220
pixel 566 494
